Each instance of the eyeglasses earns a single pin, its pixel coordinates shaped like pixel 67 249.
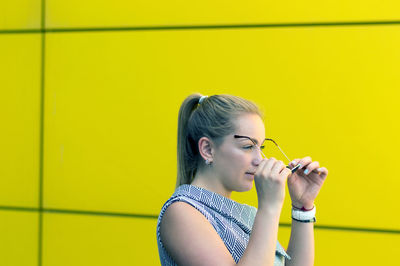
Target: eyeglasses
pixel 260 148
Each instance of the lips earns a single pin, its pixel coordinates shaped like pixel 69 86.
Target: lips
pixel 250 173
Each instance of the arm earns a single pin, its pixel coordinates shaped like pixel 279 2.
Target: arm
pixel 190 239
pixel 304 186
pixel 301 244
pixel 262 242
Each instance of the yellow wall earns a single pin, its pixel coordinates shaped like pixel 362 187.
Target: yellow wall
pixel 90 95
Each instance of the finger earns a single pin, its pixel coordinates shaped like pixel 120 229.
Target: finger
pixel 261 167
pixel 285 173
pixel 323 172
pixel 294 165
pixel 277 168
pixel 282 172
pixel 304 162
pixel 265 166
pixel 269 163
pixel 294 162
pixel 269 166
pixel 311 167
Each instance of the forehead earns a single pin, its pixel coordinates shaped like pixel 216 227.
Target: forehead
pixel 250 125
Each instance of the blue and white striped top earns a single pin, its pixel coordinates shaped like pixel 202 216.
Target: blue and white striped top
pixel 231 220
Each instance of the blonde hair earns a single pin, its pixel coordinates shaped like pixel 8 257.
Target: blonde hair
pixel 213 118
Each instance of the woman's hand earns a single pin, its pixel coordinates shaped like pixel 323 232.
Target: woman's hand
pixel 270 179
pixel 305 184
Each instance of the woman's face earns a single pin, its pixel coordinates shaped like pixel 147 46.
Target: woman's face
pixel 236 159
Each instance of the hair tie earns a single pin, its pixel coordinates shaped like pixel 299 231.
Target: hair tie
pixel 202 99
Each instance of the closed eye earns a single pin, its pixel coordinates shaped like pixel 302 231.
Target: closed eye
pixel 249 147
pixel 252 147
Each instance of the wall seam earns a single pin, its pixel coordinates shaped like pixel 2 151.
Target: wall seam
pixel 41 141
pixel 202 27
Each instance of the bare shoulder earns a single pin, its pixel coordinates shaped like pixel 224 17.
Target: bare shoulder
pixel 190 239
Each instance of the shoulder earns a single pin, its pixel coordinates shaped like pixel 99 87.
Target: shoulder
pixel 190 239
pixel 180 212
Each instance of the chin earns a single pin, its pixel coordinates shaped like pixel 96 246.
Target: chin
pixel 245 187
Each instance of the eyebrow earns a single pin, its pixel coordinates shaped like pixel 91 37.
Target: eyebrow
pixel 246 137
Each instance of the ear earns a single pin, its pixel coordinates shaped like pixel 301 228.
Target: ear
pixel 206 148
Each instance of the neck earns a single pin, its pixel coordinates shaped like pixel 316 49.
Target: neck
pixel 205 179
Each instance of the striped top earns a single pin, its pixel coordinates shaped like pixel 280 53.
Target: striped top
pixel 231 220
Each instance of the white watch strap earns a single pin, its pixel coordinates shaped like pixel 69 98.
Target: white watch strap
pixel 303 215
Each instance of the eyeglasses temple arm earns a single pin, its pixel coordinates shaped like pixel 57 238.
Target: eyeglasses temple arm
pixel 296 167
pixel 279 149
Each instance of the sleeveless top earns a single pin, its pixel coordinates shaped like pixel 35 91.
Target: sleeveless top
pixel 231 220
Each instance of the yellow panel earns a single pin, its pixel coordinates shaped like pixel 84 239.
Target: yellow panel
pixel 98 240
pixel 330 93
pixel 75 13
pixel 19 238
pixel 19 115
pixel 349 248
pixel 20 14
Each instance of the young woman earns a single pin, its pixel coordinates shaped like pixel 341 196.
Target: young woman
pixel 219 151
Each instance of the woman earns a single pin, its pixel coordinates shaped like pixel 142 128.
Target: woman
pixel 219 151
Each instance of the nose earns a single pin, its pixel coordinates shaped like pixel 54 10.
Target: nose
pixel 258 157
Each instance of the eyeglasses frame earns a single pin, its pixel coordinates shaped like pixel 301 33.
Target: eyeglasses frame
pixel 246 137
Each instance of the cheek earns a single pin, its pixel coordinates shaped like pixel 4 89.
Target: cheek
pixel 238 159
